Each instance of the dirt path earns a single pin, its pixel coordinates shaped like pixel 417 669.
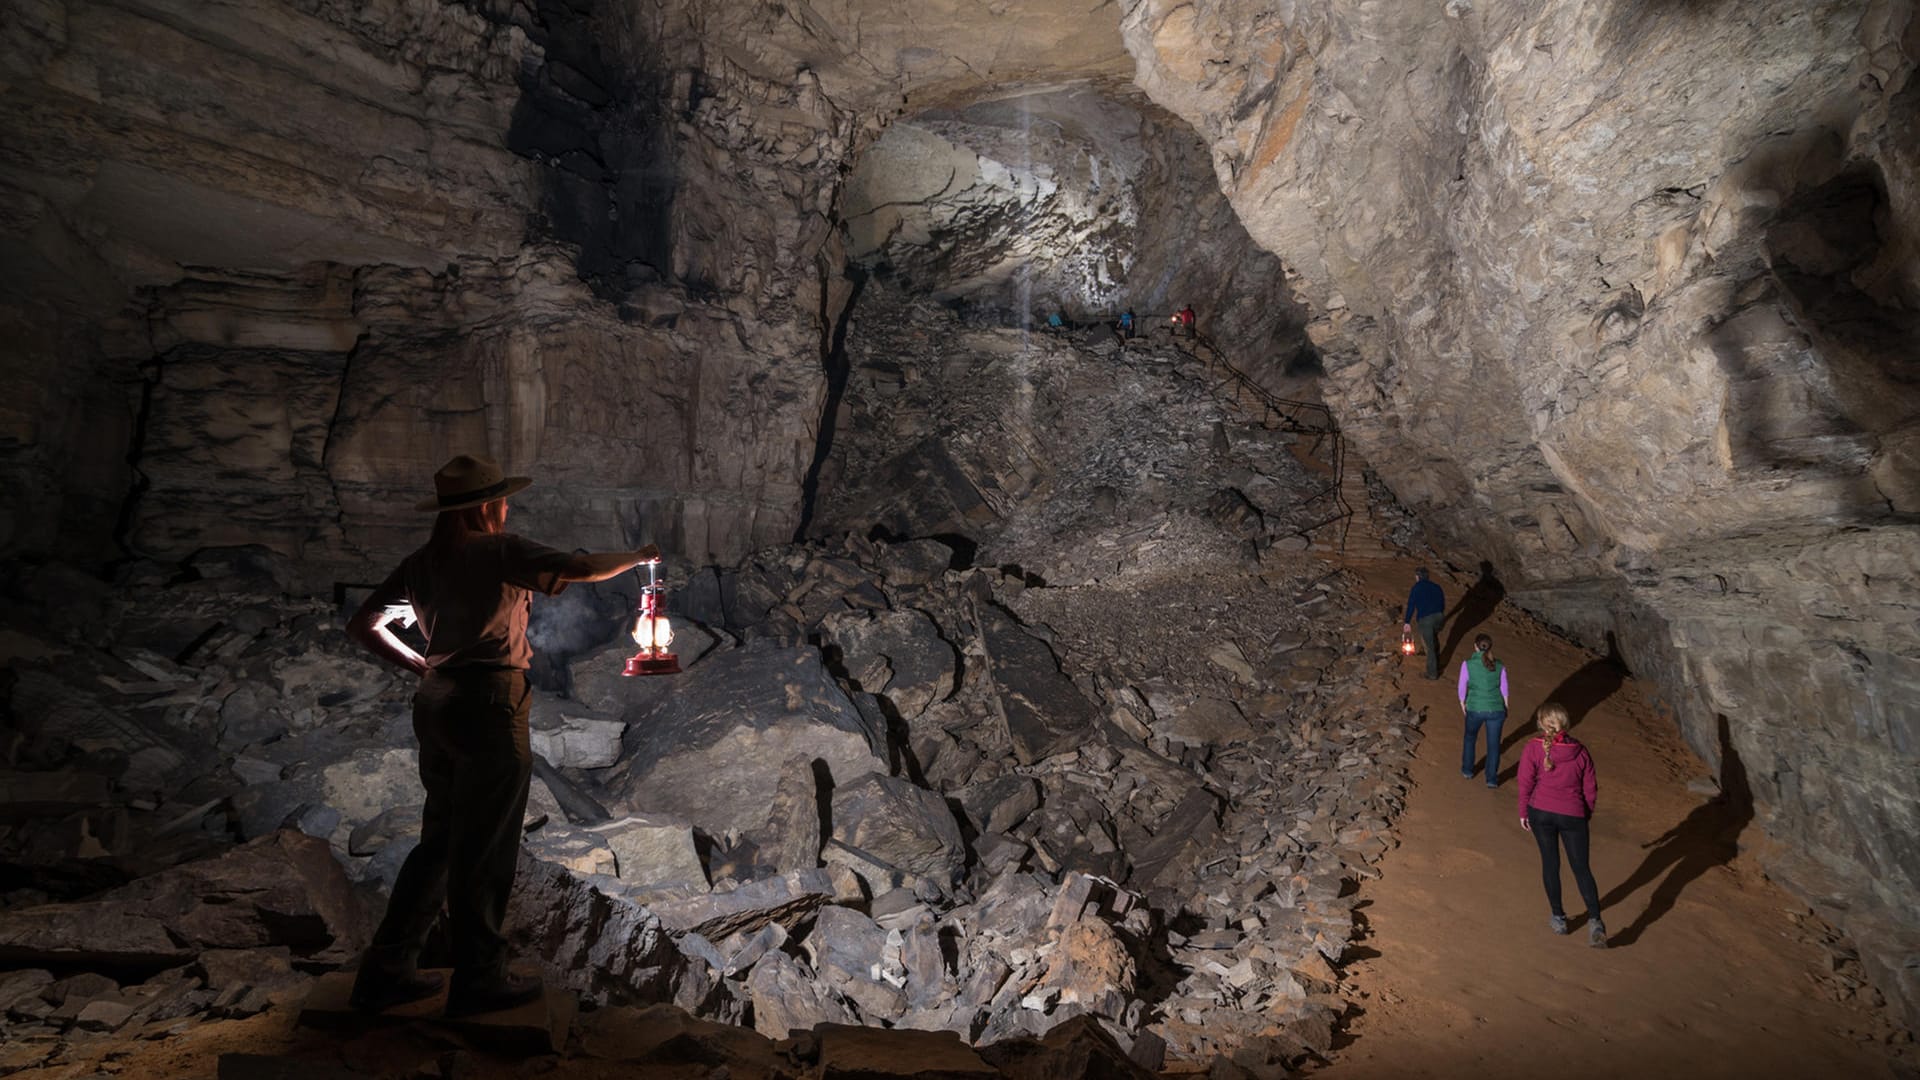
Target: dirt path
pixel 1711 974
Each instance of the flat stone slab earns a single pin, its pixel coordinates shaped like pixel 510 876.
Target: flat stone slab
pixel 271 1067
pixel 538 1027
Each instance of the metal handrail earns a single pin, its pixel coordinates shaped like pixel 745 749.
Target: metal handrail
pixel 1287 411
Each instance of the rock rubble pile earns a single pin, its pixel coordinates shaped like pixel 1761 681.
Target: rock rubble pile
pixel 1131 787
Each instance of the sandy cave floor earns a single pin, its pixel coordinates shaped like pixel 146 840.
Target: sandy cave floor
pixel 1713 970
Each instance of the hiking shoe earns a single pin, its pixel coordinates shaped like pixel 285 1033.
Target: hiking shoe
pixel 471 998
pixel 1596 934
pixel 375 990
pixel 1494 786
pixel 1557 923
pixel 1466 776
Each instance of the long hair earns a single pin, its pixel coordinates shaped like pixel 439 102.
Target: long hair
pixel 1552 719
pixel 451 528
pixel 1484 646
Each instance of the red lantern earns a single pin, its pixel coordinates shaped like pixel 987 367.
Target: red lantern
pixel 652 632
pixel 1406 642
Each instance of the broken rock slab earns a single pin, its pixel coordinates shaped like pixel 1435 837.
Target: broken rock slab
pixel 787 899
pixel 898 655
pixel 901 824
pixel 790 839
pixel 1043 712
pixel 653 851
pixel 712 752
pixel 999 804
pixel 580 742
pixel 589 940
pixel 281 889
pixel 787 998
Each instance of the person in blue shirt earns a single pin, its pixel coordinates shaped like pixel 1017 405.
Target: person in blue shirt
pixel 1426 608
pixel 1055 323
pixel 1126 323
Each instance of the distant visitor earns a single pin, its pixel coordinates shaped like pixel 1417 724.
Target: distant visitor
pixel 1426 608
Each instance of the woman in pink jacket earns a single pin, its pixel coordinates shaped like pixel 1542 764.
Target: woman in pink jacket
pixel 1558 789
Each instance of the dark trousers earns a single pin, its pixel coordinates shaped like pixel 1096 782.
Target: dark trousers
pixel 475 764
pixel 1428 627
pixel 1552 831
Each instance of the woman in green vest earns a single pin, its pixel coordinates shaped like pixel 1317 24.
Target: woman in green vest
pixel 1483 698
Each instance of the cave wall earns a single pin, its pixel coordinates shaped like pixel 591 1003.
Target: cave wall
pixel 1085 199
pixel 1621 296
pixel 267 265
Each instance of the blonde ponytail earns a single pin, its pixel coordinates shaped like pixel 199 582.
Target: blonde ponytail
pixel 1552 719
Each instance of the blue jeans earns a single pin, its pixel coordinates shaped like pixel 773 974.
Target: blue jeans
pixel 1493 722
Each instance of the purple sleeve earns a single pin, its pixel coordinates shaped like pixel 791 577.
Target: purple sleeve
pixel 1591 786
pixel 1503 683
pixel 1463 682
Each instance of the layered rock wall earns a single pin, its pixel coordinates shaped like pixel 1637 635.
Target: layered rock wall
pixel 1083 200
pixel 271 265
pixel 1621 297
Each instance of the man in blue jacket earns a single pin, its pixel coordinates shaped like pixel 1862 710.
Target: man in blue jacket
pixel 1426 608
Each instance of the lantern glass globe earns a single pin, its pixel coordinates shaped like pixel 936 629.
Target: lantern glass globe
pixel 652 631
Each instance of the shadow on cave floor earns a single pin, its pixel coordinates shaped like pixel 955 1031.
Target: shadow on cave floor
pixel 1476 607
pixel 1707 837
pixel 1581 692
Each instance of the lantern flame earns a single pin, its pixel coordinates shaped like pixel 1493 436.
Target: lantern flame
pixel 652 631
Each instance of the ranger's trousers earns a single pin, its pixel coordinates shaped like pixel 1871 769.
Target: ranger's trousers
pixel 475 764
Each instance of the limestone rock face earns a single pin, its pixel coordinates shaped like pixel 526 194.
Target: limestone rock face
pixel 1083 200
pixel 287 317
pixel 1620 297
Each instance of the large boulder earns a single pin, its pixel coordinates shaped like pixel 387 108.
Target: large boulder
pixel 711 752
pixel 653 851
pixel 588 939
pixel 1043 711
pixel 282 889
pixel 786 998
pixel 898 655
pixel 900 824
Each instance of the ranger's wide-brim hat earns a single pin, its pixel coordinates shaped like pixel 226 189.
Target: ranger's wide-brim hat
pixel 469 481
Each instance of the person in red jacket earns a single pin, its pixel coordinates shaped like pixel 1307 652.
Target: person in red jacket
pixel 1558 791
